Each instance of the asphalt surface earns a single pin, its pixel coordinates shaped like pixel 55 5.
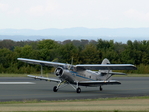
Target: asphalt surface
pixel 43 90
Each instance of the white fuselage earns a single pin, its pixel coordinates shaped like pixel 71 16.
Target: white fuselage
pixel 81 75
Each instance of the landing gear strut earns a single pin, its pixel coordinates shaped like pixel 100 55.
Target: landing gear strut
pixel 77 88
pixel 100 88
pixel 55 88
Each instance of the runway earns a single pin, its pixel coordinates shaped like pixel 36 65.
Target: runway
pixel 43 90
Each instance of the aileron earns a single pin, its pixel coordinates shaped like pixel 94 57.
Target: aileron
pixel 107 66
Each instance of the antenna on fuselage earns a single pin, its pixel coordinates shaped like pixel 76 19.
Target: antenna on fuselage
pixel 41 70
pixel 71 65
pixel 72 61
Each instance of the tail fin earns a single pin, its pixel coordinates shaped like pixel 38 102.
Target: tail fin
pixel 108 73
pixel 105 73
pixel 105 61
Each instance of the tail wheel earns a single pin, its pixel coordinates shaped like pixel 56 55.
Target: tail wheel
pixel 55 89
pixel 78 90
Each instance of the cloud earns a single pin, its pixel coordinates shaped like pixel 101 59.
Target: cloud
pixel 4 7
pixel 39 14
pixel 48 7
pixel 138 15
pixel 14 11
pixel 36 10
pixel 8 10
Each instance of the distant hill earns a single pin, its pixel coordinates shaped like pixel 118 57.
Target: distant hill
pixel 76 33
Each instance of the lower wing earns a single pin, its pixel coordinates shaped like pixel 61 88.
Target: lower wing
pixel 98 83
pixel 44 78
pixel 81 83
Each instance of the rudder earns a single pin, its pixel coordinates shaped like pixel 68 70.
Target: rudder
pixel 105 61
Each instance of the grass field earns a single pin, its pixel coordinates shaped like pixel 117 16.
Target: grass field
pixel 130 104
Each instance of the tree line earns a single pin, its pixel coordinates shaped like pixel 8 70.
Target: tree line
pixel 82 52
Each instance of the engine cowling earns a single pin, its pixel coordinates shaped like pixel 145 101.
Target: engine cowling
pixel 59 72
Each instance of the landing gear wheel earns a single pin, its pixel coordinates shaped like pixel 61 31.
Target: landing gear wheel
pixel 78 90
pixel 55 89
pixel 100 88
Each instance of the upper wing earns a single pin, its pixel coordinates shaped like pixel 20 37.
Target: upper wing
pixel 39 62
pixel 107 66
pixel 44 78
pixel 97 83
pixel 83 66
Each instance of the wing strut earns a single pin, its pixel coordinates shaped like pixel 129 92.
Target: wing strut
pixel 41 70
pixel 109 75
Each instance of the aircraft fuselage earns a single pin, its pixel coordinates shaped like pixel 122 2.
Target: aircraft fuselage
pixel 77 76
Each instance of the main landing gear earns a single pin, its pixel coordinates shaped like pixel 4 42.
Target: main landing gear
pixel 55 89
pixel 78 89
pixel 100 88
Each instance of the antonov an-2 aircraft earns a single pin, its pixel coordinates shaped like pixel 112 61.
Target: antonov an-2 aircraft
pixel 81 74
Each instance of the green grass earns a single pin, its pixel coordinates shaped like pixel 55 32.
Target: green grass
pixel 129 104
pixel 79 111
pixel 75 100
pixel 118 104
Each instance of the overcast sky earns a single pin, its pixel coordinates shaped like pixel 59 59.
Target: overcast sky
pixel 43 14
